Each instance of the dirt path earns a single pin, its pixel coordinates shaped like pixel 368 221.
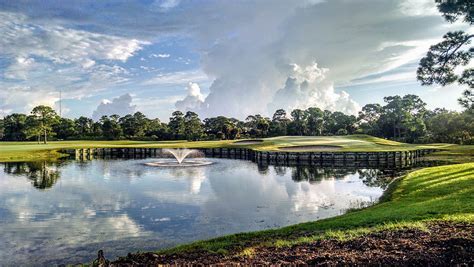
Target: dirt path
pixel 443 245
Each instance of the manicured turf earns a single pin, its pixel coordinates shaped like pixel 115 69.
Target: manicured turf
pixel 25 151
pixel 439 193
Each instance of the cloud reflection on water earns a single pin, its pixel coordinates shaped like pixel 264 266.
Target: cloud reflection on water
pixel 123 204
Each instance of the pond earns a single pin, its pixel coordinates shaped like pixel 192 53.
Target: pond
pixel 64 212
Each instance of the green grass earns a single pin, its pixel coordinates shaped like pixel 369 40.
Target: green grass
pixel 438 193
pixel 27 151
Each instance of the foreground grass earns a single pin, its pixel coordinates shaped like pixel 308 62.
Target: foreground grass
pixel 28 151
pixel 443 193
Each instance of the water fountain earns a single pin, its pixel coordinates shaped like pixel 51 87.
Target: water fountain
pixel 179 159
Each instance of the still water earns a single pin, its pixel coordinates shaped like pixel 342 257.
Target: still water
pixel 54 213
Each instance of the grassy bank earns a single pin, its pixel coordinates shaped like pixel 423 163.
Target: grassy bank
pixel 442 194
pixel 27 151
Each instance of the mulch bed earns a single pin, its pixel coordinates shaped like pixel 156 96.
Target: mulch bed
pixel 445 244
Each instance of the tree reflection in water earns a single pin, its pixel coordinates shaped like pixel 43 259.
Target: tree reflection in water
pixel 43 175
pixel 370 177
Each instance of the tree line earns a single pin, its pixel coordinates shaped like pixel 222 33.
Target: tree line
pixel 401 118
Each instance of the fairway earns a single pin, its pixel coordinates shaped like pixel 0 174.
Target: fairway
pixel 27 151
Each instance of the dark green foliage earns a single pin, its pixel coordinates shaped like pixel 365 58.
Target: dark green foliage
pixel 279 123
pixel 257 126
pixel 14 127
pixel 176 125
pixel 223 128
pixel 402 118
pixel 65 129
pixel 438 66
pixel 193 129
pixel 110 127
pixel 41 122
pixel 454 52
pixel 453 10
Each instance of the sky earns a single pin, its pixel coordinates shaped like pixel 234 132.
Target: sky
pixel 214 57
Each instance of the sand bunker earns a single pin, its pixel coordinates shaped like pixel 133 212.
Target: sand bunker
pixel 248 142
pixel 310 148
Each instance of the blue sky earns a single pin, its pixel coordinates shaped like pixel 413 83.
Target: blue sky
pixel 215 57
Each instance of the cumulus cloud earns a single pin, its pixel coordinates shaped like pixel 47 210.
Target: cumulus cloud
pixel 121 105
pixel 194 99
pixel 351 39
pixel 308 87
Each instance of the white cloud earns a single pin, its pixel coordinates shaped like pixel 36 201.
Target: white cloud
pixel 121 105
pixel 165 5
pixel 193 100
pixel 177 78
pixel 308 87
pixel 46 58
pixel 19 68
pixel 418 7
pixel 59 44
pixel 160 55
pixel 352 39
pixel 245 46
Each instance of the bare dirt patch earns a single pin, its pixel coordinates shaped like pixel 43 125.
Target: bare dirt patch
pixel 310 148
pixel 248 142
pixel 445 244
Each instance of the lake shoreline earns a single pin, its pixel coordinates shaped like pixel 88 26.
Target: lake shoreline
pixel 435 230
pixel 442 243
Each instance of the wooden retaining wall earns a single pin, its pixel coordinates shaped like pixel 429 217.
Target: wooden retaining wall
pixel 355 159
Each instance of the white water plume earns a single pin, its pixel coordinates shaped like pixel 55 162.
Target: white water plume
pixel 180 154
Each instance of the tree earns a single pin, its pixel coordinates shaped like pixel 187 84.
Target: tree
pixel 193 129
pixel 135 125
pixel 176 125
pixel 298 123
pixel 315 121
pixel 258 125
pixel 279 123
pixel 33 128
pixel 342 124
pixel 451 127
pixel 2 128
pixel 328 122
pixel 110 127
pixel 14 127
pixel 157 130
pixel 65 129
pixel 223 128
pixel 402 118
pixel 467 99
pixel 369 117
pixel 443 59
pixel 47 117
pixel 83 127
